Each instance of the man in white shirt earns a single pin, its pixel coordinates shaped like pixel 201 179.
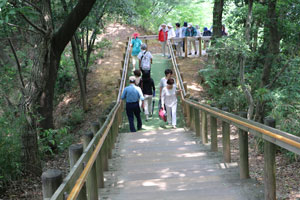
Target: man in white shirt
pixel 145 59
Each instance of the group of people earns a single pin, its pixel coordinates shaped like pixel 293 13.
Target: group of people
pixel 166 32
pixel 141 89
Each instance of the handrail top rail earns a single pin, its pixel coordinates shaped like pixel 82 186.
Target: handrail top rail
pixel 101 136
pixel 273 135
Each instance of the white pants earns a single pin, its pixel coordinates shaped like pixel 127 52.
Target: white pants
pixel 171 114
pixel 148 104
pixel 134 61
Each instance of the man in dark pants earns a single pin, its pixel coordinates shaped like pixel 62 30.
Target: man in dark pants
pixel 133 94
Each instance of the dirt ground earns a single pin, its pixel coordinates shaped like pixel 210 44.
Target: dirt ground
pixel 287 172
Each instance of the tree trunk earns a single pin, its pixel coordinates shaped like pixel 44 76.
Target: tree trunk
pixel 217 27
pixel 79 74
pixel 243 58
pixel 38 100
pixel 271 50
pixel 217 18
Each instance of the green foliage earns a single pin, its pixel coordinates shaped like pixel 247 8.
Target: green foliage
pixel 10 147
pixel 150 14
pixel 75 117
pixel 66 74
pixel 59 137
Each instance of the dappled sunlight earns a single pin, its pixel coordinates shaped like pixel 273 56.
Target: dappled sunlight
pixel 173 139
pixel 189 143
pixel 155 183
pixel 195 87
pixel 191 155
pixel 144 140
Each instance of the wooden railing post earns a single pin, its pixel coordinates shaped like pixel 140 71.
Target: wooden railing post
pixel 243 147
pixel 75 151
pixel 192 118
pixel 185 47
pixel 104 149
pixel 226 139
pixel 95 126
pixel 269 165
pixel 197 122
pixel 200 46
pixel 109 143
pixel 186 107
pixel 91 182
pixel 214 133
pixel 204 134
pixel 51 180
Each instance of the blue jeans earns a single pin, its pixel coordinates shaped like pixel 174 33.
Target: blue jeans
pixel 131 110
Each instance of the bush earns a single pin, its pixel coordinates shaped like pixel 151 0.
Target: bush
pixel 59 137
pixel 10 148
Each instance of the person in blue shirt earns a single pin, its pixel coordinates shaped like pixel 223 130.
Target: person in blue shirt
pixel 136 49
pixel 133 94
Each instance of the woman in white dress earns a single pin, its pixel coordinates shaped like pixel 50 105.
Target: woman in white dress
pixel 169 99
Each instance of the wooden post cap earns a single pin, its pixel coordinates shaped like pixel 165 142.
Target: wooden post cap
pixel 270 122
pixel 51 180
pixel 243 114
pixel 75 151
pixel 95 126
pixel 226 109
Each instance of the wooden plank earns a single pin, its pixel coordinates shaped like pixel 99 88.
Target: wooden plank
pixel 204 134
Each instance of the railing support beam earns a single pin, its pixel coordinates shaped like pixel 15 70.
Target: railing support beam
pixel 226 139
pixel 269 165
pixel 243 149
pixel 204 134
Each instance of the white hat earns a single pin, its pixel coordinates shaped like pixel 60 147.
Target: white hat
pixel 170 25
pixel 190 24
pixel 132 78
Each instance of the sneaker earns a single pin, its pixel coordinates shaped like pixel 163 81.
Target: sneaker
pixel 147 118
pixel 190 53
pixel 174 126
pixel 169 57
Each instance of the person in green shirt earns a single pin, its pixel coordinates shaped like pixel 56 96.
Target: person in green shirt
pixel 136 48
pixel 191 32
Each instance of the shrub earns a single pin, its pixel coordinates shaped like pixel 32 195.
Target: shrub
pixel 59 137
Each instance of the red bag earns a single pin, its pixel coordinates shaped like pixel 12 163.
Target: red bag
pixel 162 114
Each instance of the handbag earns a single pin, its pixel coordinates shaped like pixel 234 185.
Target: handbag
pixel 162 114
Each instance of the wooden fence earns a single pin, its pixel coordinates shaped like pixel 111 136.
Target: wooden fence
pixel 197 119
pixel 90 160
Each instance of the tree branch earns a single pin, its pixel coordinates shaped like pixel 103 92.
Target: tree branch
pixel 18 63
pixel 72 22
pixel 278 75
pixel 34 6
pixel 32 24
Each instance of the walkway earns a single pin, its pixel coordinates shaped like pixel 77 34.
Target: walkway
pixel 160 163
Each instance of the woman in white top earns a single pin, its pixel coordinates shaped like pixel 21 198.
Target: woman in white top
pixel 169 99
pixel 163 81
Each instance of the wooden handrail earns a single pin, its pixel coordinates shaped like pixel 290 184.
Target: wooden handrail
pixel 289 139
pixel 80 182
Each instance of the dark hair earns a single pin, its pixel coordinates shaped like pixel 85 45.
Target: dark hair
pixel 168 71
pixel 137 72
pixel 177 24
pixel 146 75
pixel 170 81
pixel 185 24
